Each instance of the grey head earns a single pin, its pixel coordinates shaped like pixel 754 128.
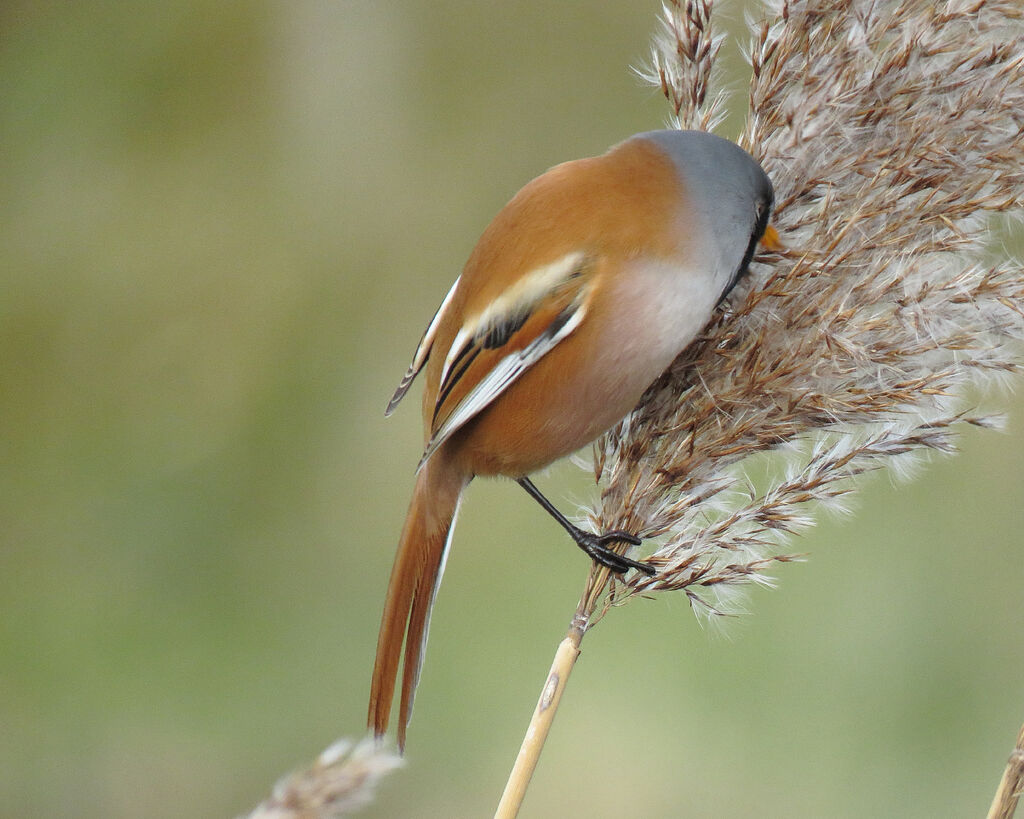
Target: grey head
pixel 733 194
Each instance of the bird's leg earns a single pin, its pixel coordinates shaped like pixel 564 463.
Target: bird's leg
pixel 594 545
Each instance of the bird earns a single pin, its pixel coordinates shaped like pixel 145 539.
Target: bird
pixel 579 294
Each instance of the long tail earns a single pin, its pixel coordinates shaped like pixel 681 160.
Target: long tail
pixel 415 576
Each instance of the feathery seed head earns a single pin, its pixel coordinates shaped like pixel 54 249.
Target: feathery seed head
pixel 892 131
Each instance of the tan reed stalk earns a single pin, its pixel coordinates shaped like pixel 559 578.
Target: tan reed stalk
pixel 550 697
pixel 1011 786
pixel 893 133
pixel 540 723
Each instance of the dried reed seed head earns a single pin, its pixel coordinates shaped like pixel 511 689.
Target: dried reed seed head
pixel 342 780
pixel 893 132
pixel 682 64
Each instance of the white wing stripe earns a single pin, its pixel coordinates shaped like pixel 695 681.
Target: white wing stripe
pixel 497 381
pixel 525 292
pixel 428 336
pixel 422 351
pixel 462 338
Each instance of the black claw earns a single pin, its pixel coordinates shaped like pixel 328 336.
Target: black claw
pixel 596 547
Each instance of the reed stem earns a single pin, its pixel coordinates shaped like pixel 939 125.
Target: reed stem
pixel 550 697
pixel 1004 804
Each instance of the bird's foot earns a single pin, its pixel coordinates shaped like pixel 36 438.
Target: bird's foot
pixel 597 547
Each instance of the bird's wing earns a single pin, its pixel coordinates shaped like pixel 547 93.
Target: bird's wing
pixel 422 352
pixel 497 345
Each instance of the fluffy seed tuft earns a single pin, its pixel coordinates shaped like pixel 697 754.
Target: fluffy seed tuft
pixel 893 132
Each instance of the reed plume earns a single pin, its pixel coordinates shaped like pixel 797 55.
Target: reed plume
pixel 892 132
pixel 341 780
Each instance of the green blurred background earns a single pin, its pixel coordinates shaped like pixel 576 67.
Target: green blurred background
pixel 223 228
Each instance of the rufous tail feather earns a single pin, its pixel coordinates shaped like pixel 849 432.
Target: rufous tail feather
pixel 415 576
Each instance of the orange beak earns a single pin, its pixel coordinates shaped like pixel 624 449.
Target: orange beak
pixel 771 240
